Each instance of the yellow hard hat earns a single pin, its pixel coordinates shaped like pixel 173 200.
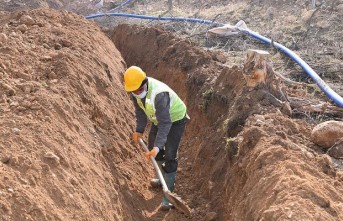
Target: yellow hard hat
pixel 133 78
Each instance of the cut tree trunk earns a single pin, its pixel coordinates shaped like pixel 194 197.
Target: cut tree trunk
pixel 262 92
pixel 260 75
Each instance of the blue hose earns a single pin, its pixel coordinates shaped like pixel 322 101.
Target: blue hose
pixel 309 71
pixel 196 20
pixel 322 85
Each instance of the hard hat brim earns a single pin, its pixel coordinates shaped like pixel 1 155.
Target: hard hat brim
pixel 131 88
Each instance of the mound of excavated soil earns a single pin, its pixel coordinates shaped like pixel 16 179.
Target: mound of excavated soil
pixel 65 123
pixel 65 126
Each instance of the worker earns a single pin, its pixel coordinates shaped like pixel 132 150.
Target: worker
pixel 158 103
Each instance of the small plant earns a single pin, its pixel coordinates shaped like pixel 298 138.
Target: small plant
pixel 207 97
pixel 231 146
pixel 44 84
pixel 225 125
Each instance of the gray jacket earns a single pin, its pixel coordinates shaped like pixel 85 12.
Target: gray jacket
pixel 162 106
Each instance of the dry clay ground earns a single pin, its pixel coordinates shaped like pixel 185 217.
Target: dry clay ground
pixel 314 33
pixel 66 122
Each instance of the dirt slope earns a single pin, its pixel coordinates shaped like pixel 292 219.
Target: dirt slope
pixel 64 148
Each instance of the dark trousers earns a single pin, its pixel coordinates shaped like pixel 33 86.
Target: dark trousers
pixel 169 153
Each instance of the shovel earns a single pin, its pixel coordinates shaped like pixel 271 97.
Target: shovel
pixel 172 197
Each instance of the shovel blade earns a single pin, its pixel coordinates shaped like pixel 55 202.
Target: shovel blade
pixel 178 203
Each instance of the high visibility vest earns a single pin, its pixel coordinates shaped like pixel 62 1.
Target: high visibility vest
pixel 177 107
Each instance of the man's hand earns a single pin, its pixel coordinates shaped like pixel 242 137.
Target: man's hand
pixel 152 152
pixel 136 136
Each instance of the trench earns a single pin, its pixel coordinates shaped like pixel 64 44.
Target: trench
pixel 242 157
pixel 204 157
pixel 209 89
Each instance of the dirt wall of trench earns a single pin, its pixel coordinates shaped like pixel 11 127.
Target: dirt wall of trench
pixel 242 158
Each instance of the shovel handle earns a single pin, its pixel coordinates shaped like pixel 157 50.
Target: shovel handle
pixel 174 199
pixel 157 169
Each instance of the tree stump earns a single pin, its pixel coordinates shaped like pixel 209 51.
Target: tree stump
pixel 259 75
pixel 262 92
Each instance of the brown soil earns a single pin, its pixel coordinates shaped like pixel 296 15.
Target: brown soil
pixel 66 123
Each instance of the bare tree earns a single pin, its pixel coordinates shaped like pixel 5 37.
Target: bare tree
pixel 170 5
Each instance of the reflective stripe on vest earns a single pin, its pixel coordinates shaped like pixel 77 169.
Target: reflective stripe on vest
pixel 177 107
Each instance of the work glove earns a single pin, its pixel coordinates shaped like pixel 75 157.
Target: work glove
pixel 136 136
pixel 152 152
